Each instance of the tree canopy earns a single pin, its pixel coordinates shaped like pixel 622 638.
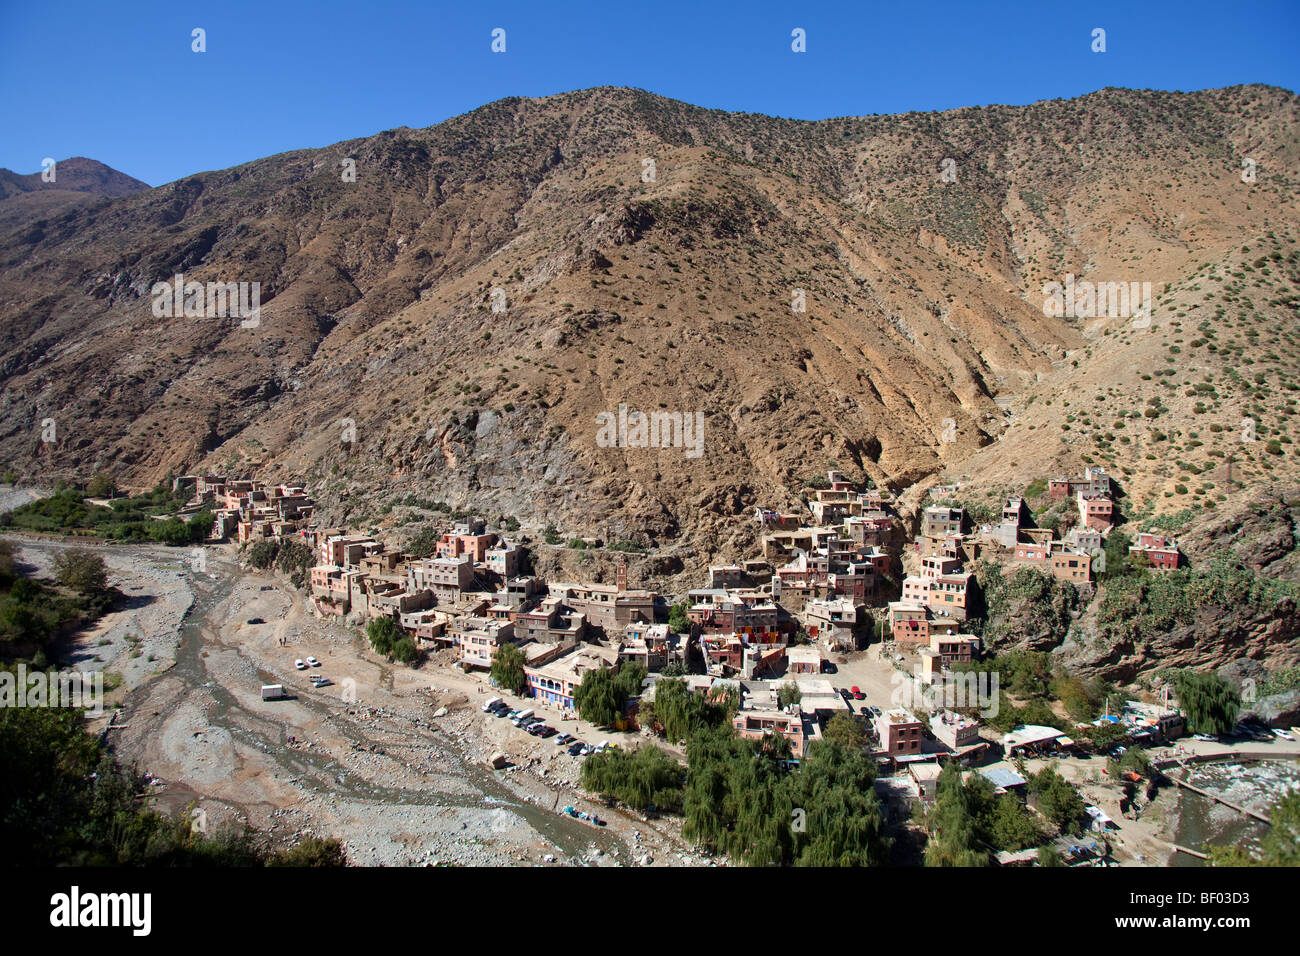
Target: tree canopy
pixel 508 668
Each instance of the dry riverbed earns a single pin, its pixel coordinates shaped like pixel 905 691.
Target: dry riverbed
pixel 373 766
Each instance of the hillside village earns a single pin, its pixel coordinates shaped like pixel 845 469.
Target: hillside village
pixel 826 584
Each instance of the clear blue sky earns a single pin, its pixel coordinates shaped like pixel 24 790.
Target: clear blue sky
pixel 117 81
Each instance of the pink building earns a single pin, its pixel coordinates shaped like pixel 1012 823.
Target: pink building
pixel 1159 550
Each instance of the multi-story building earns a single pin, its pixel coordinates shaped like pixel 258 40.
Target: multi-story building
pixel 1096 510
pixel 899 733
pixel 757 724
pixel 556 680
pixel 954 731
pixel 952 595
pixel 939 521
pixel 1094 481
pixel 833 622
pixel 1160 551
pixel 447 578
pixel 479 637
pixel 503 558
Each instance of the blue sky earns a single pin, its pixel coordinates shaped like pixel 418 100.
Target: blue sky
pixel 118 82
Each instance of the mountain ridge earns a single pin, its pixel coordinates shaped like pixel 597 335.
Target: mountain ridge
pixel 922 299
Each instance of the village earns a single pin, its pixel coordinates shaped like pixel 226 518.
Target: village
pixel 781 634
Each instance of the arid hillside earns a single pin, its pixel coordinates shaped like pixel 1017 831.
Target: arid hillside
pixel 447 324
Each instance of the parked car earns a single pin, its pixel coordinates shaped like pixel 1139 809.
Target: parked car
pixel 844 692
pixel 492 704
pixel 857 694
pixel 875 711
pixel 312 662
pixel 322 681
pixel 1282 733
pixel 1209 737
pixel 562 739
pixel 300 664
pixel 256 620
pixel 575 748
pixel 546 731
pixel 829 668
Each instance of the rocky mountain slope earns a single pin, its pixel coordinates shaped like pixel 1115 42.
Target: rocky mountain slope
pixel 380 372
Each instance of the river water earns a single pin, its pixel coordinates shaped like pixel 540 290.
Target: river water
pixel 1255 785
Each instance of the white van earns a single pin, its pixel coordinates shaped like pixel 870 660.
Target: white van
pixel 521 717
pixel 273 692
pixel 491 703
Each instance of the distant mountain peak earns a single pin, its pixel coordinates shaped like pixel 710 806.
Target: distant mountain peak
pixel 76 174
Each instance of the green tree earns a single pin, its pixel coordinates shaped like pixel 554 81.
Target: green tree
pixel 1058 800
pixel 843 729
pixel 199 527
pixel 261 554
pixel 598 698
pixel 788 693
pixel 312 851
pixel 294 559
pixel 404 650
pixel 1105 736
pixel 642 778
pixel 1209 703
pixel 383 634
pixel 1009 826
pixel 952 824
pixel 629 677
pixel 101 486
pixel 508 668
pixel 842 822
pixel 678 622
pixel 425 541
pixel 81 570
pixel 1048 856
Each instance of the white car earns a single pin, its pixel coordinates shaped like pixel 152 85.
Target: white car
pixel 312 662
pixel 1203 737
pixel 1282 733
pixel 299 664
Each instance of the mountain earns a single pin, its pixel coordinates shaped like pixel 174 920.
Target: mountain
pixel 923 350
pixel 78 175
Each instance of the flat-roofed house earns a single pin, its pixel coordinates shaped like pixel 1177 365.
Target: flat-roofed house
pixel 803 661
pixel 834 621
pixel 479 637
pixel 757 724
pixel 1096 510
pixel 556 680
pixel 952 594
pixel 899 733
pixel 909 622
pixel 1160 551
pixel 447 578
